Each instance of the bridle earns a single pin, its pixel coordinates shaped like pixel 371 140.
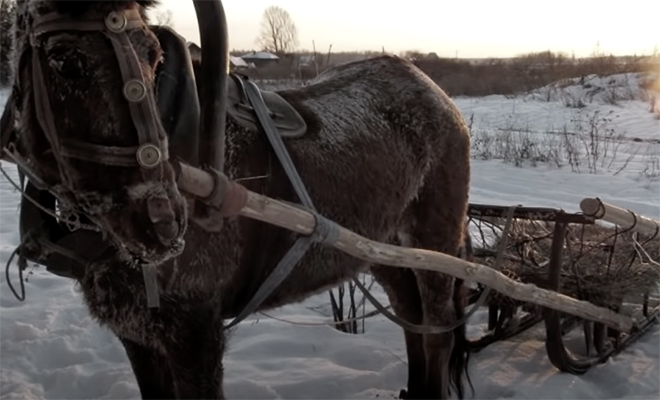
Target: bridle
pixel 151 151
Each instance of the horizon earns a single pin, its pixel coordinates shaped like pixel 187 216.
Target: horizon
pixel 500 30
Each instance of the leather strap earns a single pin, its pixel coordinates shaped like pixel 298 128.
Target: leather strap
pixel 426 329
pixel 141 101
pixel 326 231
pixel 151 151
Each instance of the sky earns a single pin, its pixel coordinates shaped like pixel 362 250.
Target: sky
pixel 462 28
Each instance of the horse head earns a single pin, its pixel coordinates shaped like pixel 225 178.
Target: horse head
pixel 88 127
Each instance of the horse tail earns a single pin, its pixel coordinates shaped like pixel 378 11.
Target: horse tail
pixel 460 354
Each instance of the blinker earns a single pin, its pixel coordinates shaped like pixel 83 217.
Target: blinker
pixel 148 155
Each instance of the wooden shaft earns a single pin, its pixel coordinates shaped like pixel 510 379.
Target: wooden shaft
pixel 195 181
pixel 624 218
pixel 262 208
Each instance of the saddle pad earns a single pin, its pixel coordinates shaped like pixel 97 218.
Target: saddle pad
pixel 286 118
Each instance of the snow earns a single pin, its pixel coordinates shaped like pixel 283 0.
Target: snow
pixel 259 55
pixel 50 347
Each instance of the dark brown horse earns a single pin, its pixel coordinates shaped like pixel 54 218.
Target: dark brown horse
pixel 386 154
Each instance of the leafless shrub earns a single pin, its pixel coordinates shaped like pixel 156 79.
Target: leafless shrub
pixel 573 101
pixel 600 141
pixel 569 145
pixel 518 147
pixel 345 309
pixel 651 166
pixel 591 147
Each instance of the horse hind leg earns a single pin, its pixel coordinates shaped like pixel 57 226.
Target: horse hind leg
pixel 400 285
pixel 440 223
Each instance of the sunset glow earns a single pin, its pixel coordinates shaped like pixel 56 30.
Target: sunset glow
pixel 468 29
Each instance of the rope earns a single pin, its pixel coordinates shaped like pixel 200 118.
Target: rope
pixel 326 323
pixel 20 276
pixel 75 223
pixel 427 329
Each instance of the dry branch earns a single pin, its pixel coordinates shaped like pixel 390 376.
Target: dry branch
pixel 200 183
pixel 626 219
pixel 600 264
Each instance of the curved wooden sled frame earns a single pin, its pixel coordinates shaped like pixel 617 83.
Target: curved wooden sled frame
pixel 606 340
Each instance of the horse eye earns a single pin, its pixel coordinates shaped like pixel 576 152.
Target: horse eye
pixel 69 66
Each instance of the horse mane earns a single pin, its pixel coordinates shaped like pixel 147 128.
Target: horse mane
pixel 76 8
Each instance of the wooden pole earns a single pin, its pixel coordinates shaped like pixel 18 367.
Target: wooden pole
pixel 200 183
pixel 626 219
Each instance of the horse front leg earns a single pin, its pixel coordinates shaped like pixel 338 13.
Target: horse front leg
pixel 401 288
pixel 151 370
pixel 194 351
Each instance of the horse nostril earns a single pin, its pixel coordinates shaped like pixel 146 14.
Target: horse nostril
pixel 160 210
pixel 166 231
pixel 162 216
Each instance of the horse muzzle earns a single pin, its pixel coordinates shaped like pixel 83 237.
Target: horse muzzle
pixel 163 218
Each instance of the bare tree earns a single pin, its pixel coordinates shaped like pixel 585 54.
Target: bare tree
pixel 278 32
pixel 165 18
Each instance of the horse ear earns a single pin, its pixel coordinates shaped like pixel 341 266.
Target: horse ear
pixel 79 7
pixel 149 3
pixel 195 53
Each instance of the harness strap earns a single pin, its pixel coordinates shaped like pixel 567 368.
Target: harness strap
pixel 150 276
pixel 254 96
pixel 426 329
pixel 45 117
pixel 281 271
pixel 23 166
pixel 151 150
pixel 326 231
pixel 111 155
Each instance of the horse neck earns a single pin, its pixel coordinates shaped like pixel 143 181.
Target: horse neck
pixel 234 261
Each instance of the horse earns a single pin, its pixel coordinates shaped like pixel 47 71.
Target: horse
pixel 385 154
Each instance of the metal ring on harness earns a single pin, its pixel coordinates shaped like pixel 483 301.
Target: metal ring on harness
pixel 148 155
pixel 116 22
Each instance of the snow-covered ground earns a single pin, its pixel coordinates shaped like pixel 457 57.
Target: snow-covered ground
pixel 51 348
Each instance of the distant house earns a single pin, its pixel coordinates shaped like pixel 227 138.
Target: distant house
pixel 260 58
pixel 237 63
